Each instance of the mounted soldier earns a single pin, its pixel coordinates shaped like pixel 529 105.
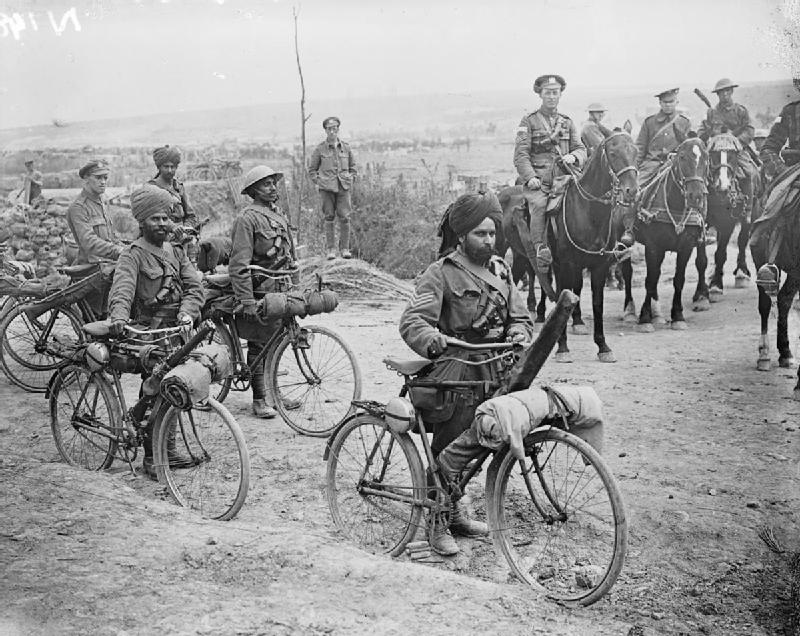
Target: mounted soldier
pixel 593 132
pixel 660 135
pixel 547 149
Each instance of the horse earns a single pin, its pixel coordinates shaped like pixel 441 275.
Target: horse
pixel 778 242
pixel 729 202
pixel 670 218
pixel 585 227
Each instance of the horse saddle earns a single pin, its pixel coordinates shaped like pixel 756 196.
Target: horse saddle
pixel 556 194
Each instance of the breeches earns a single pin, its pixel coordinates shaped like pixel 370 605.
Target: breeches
pixel 537 203
pixel 335 205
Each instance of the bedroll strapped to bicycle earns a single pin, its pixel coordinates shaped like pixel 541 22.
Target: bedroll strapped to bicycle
pixel 297 303
pixel 189 383
pixel 95 282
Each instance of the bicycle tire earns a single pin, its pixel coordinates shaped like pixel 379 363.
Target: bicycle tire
pixel 222 335
pixel 313 388
pixel 574 560
pixel 201 456
pixel 22 364
pixel 376 524
pixel 79 397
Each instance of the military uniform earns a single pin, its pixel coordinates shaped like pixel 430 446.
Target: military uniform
pixel 92 229
pixel 591 135
pixel 784 132
pixel 153 285
pixel 452 298
pixel 656 140
pixel 182 212
pixel 541 141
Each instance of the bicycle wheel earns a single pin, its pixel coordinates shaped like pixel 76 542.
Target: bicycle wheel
pixel 374 485
pixel 23 353
pixel 84 417
pixel 561 522
pixel 201 455
pixel 314 380
pixel 222 335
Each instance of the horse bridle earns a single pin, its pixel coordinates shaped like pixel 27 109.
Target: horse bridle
pixel 683 178
pixel 611 197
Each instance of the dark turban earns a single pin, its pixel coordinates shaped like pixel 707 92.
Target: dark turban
pixel 93 166
pixel 166 154
pixel 149 200
pixel 465 214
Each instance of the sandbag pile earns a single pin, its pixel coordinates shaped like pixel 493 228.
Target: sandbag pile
pixel 36 234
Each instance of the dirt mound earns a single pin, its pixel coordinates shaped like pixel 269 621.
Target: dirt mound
pixel 354 278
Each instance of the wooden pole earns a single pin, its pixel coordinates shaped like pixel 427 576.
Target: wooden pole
pixel 303 119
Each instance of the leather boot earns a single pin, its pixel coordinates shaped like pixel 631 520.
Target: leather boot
pixel 148 469
pixel 442 542
pixel 463 526
pixel 263 410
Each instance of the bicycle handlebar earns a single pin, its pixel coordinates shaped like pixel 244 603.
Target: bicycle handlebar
pixel 469 346
pixel 147 332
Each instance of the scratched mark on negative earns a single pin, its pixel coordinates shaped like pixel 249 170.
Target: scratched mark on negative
pixel 785 35
pixel 15 24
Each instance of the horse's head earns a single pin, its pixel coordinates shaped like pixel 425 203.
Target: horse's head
pixel 619 154
pixel 723 157
pixel 690 171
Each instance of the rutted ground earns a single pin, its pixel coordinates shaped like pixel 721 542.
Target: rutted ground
pixel 704 446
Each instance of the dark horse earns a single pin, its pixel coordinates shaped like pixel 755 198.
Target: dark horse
pixel 670 219
pixel 585 228
pixel 777 240
pixel 729 203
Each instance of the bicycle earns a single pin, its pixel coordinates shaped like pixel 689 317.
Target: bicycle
pixel 311 373
pixel 199 451
pixel 34 322
pixel 559 520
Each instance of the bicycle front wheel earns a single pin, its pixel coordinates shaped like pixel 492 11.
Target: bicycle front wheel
pixel 374 485
pixel 24 352
pixel 84 417
pixel 314 380
pixel 222 335
pixel 558 517
pixel 201 455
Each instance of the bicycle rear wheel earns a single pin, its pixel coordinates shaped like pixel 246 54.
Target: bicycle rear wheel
pixel 222 335
pixel 374 483
pixel 201 455
pixel 314 380
pixel 84 417
pixel 24 355
pixel 560 522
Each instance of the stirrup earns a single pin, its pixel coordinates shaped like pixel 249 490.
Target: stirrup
pixel 768 278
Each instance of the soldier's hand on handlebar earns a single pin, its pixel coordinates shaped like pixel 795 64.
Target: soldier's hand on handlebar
pixel 117 328
pixel 519 339
pixel 250 311
pixel 185 321
pixel 534 183
pixel 569 159
pixel 437 345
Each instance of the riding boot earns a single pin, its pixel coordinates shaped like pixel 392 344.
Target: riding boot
pixel 440 539
pixel 147 444
pixel 260 407
pixel 330 241
pixel 462 525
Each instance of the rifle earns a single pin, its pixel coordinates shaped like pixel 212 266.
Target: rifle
pixel 747 147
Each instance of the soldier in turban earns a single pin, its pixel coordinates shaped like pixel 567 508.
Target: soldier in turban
pixel 467 294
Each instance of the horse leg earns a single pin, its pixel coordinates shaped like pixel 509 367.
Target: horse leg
pixel 786 295
pixel 564 278
pixel 578 326
pixel 629 307
pixel 742 273
pixel 715 285
pixel 541 306
pixel 764 307
pixel 598 278
pixel 653 256
pixel 678 322
pixel 519 267
pixel 700 300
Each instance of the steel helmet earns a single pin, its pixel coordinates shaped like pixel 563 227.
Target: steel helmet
pixel 256 174
pixel 723 84
pixel 596 107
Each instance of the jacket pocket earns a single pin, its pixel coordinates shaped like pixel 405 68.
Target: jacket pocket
pixel 101 231
pixel 464 307
pixel 264 242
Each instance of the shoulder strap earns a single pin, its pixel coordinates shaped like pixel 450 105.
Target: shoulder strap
pixel 480 273
pixel 665 126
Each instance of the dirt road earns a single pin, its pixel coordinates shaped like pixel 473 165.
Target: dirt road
pixel 705 449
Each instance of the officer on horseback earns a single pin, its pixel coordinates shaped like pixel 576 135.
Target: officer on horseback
pixel 548 146
pixel 784 132
pixel 659 135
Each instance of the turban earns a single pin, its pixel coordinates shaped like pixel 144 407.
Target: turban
pixel 149 200
pixel 469 210
pixel 166 154
pixel 93 166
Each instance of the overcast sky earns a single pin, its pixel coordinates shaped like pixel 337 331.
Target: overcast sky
pixel 115 58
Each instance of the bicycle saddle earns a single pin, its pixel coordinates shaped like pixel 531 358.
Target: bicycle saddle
pixel 78 270
pixel 407 367
pixel 97 329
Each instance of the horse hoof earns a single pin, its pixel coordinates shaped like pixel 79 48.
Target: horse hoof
pixel 607 356
pixel 742 281
pixel 645 327
pixel 701 304
pixel 679 325
pixel 580 330
pixel 562 356
pixel 714 294
pixel 786 363
pixel 659 320
pixel 629 318
pixel 763 365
